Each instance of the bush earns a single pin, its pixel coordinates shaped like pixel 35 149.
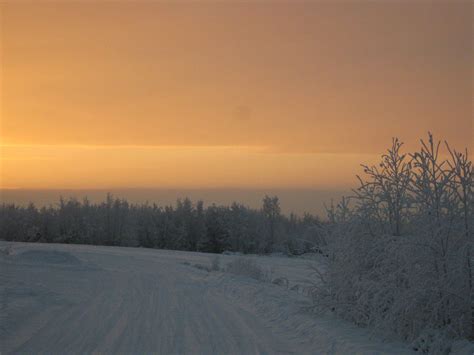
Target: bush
pixel 400 259
pixel 249 268
pixel 215 263
pixel 202 267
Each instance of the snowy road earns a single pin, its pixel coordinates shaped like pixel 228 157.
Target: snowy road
pixel 82 299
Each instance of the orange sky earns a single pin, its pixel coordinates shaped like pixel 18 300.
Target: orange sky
pixel 225 94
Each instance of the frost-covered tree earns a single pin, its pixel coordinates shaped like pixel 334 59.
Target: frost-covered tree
pixel 185 226
pixel 383 193
pixel 217 234
pixel 271 210
pixel 400 249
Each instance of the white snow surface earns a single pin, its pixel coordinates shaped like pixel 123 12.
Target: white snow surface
pixel 82 299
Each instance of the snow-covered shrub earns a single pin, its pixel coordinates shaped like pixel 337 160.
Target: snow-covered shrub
pixel 6 250
pixel 215 263
pixel 281 281
pixel 400 250
pixel 247 267
pixel 202 267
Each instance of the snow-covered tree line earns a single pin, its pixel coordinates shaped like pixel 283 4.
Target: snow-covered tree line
pixel 185 226
pixel 400 250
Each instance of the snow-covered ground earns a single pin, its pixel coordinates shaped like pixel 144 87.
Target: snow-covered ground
pixel 81 299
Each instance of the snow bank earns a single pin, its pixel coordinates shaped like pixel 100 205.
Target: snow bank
pixel 48 257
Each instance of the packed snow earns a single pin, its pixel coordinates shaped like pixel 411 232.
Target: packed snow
pixel 80 299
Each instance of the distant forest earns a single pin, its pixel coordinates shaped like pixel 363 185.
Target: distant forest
pixel 186 226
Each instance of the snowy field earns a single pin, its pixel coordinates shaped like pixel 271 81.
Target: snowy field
pixel 81 299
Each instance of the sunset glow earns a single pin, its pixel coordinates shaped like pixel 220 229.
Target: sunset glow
pixel 98 95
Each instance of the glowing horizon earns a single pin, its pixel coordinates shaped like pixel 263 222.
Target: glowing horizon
pixel 172 167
